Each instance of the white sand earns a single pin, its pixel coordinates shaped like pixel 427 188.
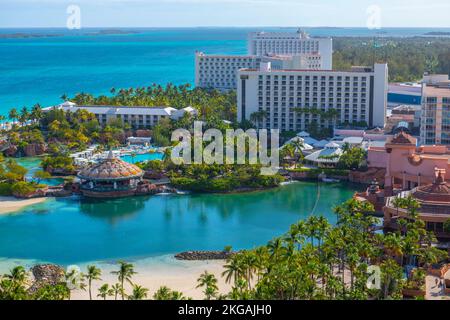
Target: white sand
pixel 11 204
pixel 177 275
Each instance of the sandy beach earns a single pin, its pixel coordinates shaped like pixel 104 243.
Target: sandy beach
pixel 164 271
pixel 11 204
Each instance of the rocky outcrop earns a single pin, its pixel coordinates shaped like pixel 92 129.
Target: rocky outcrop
pixel 11 151
pixel 35 149
pixel 204 255
pixel 39 193
pixel 46 274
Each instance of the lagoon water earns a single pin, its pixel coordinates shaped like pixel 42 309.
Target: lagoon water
pixel 41 69
pixel 77 230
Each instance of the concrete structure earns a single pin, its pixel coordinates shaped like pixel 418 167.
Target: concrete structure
pixel 220 71
pixel 358 95
pixel 137 117
pixel 290 43
pixel 435 117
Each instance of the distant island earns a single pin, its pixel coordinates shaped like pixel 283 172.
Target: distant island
pixel 437 33
pixel 111 32
pixel 27 35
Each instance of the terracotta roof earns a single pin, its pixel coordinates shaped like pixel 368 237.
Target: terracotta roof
pixel 439 191
pixel 402 138
pixel 111 169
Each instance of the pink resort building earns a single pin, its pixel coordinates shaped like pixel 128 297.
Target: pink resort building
pixel 420 171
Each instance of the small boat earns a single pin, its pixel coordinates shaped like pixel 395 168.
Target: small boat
pixel 164 194
pixel 328 180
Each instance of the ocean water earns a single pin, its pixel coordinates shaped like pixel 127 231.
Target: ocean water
pixel 78 230
pixel 42 69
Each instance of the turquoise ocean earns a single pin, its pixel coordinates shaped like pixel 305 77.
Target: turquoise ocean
pixel 39 68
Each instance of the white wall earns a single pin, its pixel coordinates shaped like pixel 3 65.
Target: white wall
pixel 380 94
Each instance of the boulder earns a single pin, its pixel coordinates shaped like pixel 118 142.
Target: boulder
pixel 35 149
pixel 46 274
pixel 11 151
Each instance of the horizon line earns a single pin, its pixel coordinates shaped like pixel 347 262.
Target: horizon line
pixel 212 26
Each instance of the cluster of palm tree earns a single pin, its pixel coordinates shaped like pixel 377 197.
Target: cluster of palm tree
pixel 25 115
pixel 315 260
pixel 293 151
pixel 207 102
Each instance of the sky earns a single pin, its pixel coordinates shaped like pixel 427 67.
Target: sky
pixel 239 13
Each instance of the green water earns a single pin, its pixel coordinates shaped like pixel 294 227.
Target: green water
pixel 76 230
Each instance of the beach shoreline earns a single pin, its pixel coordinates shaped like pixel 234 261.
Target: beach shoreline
pixel 11 204
pixel 152 273
pixel 157 272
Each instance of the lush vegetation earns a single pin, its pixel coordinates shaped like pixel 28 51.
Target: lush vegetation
pixel 312 261
pixel 213 178
pixel 12 179
pixel 408 58
pixel 352 158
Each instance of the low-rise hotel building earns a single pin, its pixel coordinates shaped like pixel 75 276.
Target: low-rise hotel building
pixel 220 71
pixel 137 117
pixel 291 43
pixel 358 95
pixel 435 117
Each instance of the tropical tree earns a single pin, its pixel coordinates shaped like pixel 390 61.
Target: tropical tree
pixel 13 114
pixel 209 282
pixel 104 291
pixel 117 290
pixel 165 293
pixel 124 274
pixel 41 175
pixel 138 293
pixel 93 273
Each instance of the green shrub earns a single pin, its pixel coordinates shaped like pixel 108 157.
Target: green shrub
pixel 5 189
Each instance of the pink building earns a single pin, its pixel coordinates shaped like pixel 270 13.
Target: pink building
pixel 408 166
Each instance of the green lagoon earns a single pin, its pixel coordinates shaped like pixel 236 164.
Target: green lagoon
pixel 76 229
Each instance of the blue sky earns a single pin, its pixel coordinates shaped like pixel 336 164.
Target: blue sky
pixel 189 13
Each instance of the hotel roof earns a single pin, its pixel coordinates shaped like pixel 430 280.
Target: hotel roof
pixel 119 110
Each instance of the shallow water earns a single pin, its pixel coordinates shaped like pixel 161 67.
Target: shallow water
pixel 76 230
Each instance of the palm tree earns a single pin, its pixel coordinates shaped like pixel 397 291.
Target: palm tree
pixel 209 281
pixel 116 290
pixel 74 281
pixel 18 279
pixel 233 269
pixel 13 114
pixel 104 291
pixel 36 112
pixel 125 273
pixel 24 115
pixel 298 150
pixel 139 293
pixel 93 273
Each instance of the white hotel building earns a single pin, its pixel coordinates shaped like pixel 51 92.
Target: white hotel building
pixel 289 43
pixel 284 50
pixel 137 117
pixel 358 95
pixel 220 71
